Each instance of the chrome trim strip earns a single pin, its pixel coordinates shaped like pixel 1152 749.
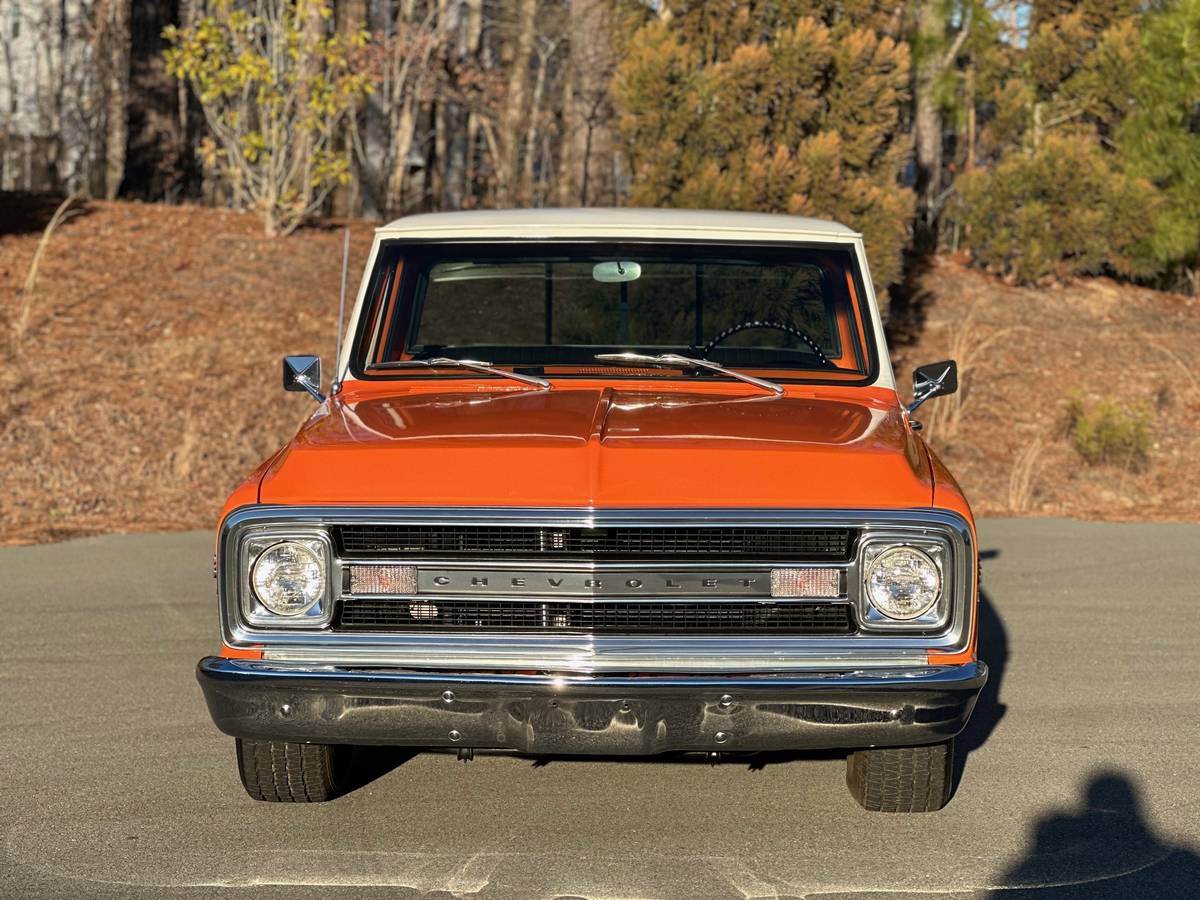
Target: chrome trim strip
pixel 905 678
pixel 600 653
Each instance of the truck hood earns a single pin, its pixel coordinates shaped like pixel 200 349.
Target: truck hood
pixel 604 447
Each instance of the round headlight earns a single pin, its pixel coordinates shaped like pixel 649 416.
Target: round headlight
pixel 903 583
pixel 289 578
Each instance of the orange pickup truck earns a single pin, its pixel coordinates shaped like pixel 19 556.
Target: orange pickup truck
pixel 621 482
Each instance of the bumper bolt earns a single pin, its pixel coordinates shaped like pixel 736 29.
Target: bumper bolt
pixel 448 696
pixel 725 702
pixel 455 736
pixel 285 709
pixel 720 737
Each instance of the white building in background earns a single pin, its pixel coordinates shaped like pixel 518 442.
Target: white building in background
pixel 51 108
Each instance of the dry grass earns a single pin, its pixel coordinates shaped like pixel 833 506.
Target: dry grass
pixel 969 341
pixel 21 325
pixel 1025 348
pixel 1022 479
pixel 149 385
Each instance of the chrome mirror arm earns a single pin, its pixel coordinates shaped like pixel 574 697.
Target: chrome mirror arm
pixel 918 399
pixel 312 389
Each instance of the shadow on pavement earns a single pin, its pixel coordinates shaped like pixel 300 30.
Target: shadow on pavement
pixel 1105 849
pixel 369 764
pixel 989 710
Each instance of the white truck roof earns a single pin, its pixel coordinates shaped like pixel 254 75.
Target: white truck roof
pixel 680 224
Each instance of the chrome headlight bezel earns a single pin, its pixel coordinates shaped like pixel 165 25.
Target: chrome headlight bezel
pixel 254 612
pixel 937 617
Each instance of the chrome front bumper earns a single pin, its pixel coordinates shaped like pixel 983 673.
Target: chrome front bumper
pixel 571 714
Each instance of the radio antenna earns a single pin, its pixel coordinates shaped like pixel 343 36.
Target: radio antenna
pixel 341 311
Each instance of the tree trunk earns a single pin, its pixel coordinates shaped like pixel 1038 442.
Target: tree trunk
pixel 515 107
pixel 373 159
pixel 116 95
pixel 587 111
pixel 347 199
pixel 969 99
pixel 535 125
pixel 927 120
pixel 314 30
pixel 401 147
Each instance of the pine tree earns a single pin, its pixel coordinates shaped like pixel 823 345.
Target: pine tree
pixel 778 106
pixel 1058 199
pixel 1161 140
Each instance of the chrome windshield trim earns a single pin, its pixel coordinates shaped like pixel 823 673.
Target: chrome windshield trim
pixel 609 653
pixel 475 365
pixel 674 359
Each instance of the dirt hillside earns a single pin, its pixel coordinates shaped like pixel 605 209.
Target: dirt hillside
pixel 146 381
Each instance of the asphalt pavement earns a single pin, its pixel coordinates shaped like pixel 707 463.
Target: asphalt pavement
pixel 1079 770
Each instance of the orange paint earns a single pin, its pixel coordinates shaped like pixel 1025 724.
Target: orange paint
pixel 228 652
pixel 948 495
pixel 448 441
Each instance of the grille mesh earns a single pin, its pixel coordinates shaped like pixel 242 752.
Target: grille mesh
pixel 453 614
pixel 796 544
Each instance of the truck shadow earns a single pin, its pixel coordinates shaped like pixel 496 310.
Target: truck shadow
pixel 989 710
pixel 368 764
pixel 1103 849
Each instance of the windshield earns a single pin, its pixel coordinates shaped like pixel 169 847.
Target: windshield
pixel 551 309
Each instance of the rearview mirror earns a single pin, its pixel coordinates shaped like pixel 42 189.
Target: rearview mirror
pixel 616 272
pixel 933 380
pixel 303 373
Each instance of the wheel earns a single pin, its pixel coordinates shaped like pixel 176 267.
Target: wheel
pixel 283 772
pixel 901 779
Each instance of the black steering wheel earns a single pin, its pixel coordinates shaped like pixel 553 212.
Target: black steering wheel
pixel 767 323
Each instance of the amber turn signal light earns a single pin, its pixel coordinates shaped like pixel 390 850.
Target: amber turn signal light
pixel 815 583
pixel 383 579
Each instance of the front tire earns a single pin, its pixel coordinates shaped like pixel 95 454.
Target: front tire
pixel 901 779
pixel 285 772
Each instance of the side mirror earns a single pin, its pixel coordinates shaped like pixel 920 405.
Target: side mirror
pixel 933 380
pixel 303 373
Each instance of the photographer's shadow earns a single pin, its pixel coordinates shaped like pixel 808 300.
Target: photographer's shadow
pixel 1105 849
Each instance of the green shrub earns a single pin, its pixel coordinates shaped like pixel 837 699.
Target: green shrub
pixel 1108 433
pixel 1061 211
pixel 1161 139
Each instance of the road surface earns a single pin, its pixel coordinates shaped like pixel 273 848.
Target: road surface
pixel 1079 771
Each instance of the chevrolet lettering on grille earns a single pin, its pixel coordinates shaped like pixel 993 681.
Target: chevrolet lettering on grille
pixel 590 583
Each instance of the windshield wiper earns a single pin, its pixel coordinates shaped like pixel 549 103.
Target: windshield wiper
pixel 676 361
pixel 474 365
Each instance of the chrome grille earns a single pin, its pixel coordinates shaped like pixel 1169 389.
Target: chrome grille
pixel 614 543
pixel 608 617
